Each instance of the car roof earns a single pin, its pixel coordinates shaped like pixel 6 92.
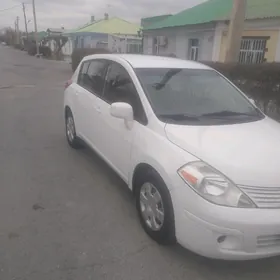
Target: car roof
pixel 150 61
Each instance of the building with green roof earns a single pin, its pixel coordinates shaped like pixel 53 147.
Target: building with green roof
pixel 115 34
pixel 200 33
pixel 113 25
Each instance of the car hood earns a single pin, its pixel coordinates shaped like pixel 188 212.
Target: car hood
pixel 248 153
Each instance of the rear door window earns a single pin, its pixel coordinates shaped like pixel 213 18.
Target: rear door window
pixel 92 76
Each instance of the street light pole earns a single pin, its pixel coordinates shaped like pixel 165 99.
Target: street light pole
pixel 35 28
pixel 235 30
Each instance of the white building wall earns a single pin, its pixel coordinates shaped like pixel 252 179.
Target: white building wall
pixel 91 42
pixel 110 42
pixel 67 49
pixel 218 35
pixel 148 44
pixel 163 50
pixel 206 41
pixel 178 41
pixel 51 45
pixel 181 44
pixel 116 44
pixel 208 45
pixel 122 43
pixel 209 35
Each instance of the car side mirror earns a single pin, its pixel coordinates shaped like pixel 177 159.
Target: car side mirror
pixel 123 111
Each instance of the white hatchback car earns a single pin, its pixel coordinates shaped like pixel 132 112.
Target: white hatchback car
pixel 201 159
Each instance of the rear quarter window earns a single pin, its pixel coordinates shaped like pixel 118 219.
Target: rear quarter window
pixel 82 70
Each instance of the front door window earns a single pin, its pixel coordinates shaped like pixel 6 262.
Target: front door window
pixel 119 87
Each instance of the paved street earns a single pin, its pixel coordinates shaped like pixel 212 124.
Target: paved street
pixel 63 214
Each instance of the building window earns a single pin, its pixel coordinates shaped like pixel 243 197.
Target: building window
pixel 155 46
pixel 102 45
pixel 134 48
pixel 252 50
pixel 193 49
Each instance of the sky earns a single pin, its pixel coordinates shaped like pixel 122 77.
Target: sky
pixel 74 13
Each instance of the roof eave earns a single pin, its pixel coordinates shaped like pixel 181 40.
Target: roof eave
pixel 219 20
pixel 183 25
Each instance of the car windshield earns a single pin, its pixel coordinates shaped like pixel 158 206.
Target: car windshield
pixel 195 95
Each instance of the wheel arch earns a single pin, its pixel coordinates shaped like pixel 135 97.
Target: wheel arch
pixel 66 110
pixel 141 169
pixel 169 236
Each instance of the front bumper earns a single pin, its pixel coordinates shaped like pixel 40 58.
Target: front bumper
pixel 223 232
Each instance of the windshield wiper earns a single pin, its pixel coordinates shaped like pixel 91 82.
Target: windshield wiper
pixel 228 114
pixel 219 115
pixel 166 78
pixel 179 117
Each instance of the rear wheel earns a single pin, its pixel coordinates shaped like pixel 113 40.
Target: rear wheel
pixel 155 208
pixel 71 136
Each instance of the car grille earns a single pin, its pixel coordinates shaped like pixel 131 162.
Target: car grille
pixel 263 197
pixel 265 241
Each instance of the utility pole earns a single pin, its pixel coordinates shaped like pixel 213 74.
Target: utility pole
pixel 235 30
pixel 35 28
pixel 25 22
pixel 15 35
pixel 17 30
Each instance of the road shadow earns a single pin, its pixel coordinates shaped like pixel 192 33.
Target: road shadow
pixel 118 185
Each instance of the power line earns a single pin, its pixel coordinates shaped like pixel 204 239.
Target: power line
pixel 3 10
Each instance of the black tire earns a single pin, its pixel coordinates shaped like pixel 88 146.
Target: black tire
pixel 74 142
pixel 166 234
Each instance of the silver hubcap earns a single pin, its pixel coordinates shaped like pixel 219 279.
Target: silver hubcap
pixel 151 206
pixel 70 128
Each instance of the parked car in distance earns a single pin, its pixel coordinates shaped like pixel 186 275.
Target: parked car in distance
pixel 200 158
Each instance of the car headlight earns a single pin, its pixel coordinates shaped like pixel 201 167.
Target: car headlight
pixel 213 186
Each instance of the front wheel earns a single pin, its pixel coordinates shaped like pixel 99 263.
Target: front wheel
pixel 155 208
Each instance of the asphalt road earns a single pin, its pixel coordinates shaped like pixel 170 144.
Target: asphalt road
pixel 63 214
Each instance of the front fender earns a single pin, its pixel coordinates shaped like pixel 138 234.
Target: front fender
pixel 157 151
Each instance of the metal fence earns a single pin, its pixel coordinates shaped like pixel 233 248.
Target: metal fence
pixel 252 51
